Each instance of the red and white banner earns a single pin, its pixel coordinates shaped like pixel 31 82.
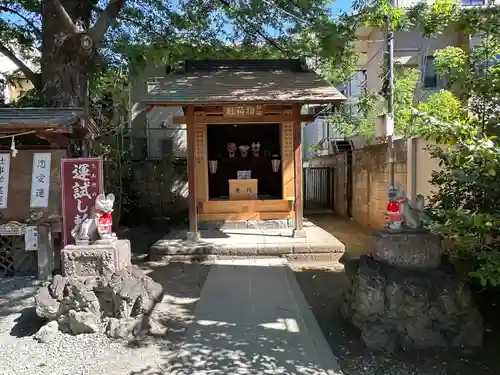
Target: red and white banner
pixel 82 182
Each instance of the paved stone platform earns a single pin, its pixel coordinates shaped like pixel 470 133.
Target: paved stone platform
pixel 248 242
pixel 252 318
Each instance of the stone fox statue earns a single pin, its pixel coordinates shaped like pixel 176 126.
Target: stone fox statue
pixel 99 223
pixel 412 213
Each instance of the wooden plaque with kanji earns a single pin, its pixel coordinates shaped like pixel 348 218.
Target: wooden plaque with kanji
pixel 243 189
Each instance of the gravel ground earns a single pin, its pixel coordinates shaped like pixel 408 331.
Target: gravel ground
pixel 95 354
pixel 323 285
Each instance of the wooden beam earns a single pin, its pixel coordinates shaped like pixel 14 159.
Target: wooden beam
pixel 297 150
pixel 191 149
pixel 267 119
pixel 340 98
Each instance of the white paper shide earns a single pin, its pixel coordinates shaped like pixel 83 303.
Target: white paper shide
pixel 31 238
pixel 4 179
pixel 40 180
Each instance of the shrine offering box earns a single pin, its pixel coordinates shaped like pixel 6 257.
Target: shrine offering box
pixel 243 189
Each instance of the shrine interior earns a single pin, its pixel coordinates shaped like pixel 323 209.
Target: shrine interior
pixel 218 138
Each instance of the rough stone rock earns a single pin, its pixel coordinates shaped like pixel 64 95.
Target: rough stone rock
pixel 57 287
pixel 46 306
pixel 127 328
pixel 48 333
pixel 401 308
pixel 121 303
pixel 134 293
pixel 83 322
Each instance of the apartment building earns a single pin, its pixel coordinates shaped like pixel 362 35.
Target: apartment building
pixel 411 50
pixel 12 88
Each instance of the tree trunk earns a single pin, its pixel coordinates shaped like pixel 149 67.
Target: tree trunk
pixel 68 58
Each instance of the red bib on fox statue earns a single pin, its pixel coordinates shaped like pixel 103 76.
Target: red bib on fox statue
pixel 104 209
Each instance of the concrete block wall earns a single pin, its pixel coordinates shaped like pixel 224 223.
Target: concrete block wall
pixel 371 180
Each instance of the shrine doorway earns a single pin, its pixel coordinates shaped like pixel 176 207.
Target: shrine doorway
pixel 269 183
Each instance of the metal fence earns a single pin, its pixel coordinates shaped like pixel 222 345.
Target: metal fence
pixel 318 188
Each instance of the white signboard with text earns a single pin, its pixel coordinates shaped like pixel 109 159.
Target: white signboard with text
pixel 40 180
pixel 244 175
pixel 4 179
pixel 31 238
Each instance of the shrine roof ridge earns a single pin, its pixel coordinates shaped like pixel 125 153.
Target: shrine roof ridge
pixel 190 66
pixel 241 81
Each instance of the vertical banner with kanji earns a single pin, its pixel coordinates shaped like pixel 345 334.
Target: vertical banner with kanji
pixel 82 181
pixel 40 180
pixel 4 179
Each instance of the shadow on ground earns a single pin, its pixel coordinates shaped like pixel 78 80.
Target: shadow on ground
pixel 14 296
pixel 225 339
pixel 182 283
pixel 356 238
pixel 142 238
pixel 323 288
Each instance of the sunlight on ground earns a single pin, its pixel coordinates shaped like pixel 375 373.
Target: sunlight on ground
pixel 288 324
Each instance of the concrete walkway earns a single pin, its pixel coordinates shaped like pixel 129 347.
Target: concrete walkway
pixel 252 318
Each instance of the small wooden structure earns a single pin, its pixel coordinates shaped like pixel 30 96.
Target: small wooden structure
pixel 252 96
pixel 27 134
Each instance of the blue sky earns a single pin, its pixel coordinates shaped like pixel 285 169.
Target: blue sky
pixel 341 6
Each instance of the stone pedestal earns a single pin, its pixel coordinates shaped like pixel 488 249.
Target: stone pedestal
pixel 405 294
pixel 396 307
pixel 96 259
pixel 412 249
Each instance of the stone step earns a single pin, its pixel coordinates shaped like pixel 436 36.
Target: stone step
pixel 320 257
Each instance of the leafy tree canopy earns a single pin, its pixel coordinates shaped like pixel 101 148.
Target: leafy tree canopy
pixel 167 31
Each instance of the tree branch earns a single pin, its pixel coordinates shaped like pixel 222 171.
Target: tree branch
pixel 255 29
pixel 131 20
pixel 28 73
pixel 106 18
pixel 30 23
pixel 65 17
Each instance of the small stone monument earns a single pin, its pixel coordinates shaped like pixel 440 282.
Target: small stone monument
pixel 405 294
pixel 99 291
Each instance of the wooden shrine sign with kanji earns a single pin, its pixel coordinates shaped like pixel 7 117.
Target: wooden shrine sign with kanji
pixel 243 110
pixel 82 182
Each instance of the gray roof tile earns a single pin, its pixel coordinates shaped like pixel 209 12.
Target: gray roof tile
pixel 241 84
pixel 39 116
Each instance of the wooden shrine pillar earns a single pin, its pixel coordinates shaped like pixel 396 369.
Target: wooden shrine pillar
pixel 193 234
pixel 297 158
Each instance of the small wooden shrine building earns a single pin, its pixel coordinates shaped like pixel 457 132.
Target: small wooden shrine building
pixel 243 120
pixel 32 143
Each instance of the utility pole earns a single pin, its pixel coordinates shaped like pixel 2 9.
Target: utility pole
pixel 389 118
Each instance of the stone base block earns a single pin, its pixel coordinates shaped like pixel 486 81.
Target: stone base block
pixel 398 308
pixel 299 233
pixel 96 259
pixel 193 236
pixel 409 249
pixel 247 224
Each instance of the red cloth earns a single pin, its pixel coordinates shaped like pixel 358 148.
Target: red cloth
pixel 105 219
pixel 393 206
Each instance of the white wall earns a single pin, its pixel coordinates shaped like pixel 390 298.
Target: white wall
pixel 7 67
pixel 410 49
pixel 156 124
pixel 160 127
